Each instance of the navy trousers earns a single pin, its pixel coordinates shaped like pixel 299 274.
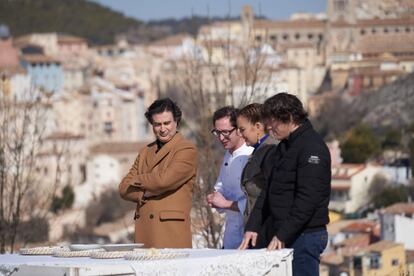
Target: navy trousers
pixel 307 250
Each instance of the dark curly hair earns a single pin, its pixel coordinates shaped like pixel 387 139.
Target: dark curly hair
pixel 252 113
pixel 227 111
pixel 284 107
pixel 161 105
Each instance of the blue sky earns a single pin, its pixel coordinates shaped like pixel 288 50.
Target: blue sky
pixel 161 9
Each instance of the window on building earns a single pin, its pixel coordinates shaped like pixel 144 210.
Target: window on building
pixel 297 36
pixel 320 36
pixel 357 262
pixel 397 30
pixel 362 32
pixel 285 37
pixel 407 29
pixel 82 169
pixel 385 30
pixel 273 38
pixel 310 36
pixel 258 38
pixel 373 30
pixel 395 262
pixel 108 127
pixel 374 260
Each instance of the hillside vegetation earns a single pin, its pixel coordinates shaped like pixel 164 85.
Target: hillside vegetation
pixel 82 18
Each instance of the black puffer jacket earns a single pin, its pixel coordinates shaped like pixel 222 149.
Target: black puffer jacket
pixel 298 193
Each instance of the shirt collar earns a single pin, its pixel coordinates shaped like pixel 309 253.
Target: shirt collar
pixel 241 150
pixel 298 132
pixel 261 140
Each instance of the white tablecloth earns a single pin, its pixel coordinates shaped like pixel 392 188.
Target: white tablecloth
pixel 199 262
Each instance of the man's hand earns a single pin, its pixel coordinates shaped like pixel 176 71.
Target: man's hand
pixel 217 200
pixel 275 243
pixel 248 236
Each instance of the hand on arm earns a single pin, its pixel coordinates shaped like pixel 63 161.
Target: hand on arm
pixel 126 188
pixel 248 237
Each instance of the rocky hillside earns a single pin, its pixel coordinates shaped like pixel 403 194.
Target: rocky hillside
pixel 391 105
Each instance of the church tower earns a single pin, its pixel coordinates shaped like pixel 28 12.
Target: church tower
pixel 341 11
pixel 247 19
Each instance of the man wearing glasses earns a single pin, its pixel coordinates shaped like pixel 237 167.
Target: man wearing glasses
pixel 228 196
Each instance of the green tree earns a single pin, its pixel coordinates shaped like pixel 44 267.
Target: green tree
pixel 360 145
pixel 63 202
pixel 392 139
pixel 391 195
pixel 76 17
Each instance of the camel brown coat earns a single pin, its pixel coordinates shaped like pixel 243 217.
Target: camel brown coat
pixel 162 217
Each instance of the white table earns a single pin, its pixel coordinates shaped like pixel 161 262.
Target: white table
pixel 199 262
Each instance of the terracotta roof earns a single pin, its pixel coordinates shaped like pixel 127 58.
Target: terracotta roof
pixel 39 59
pixel 381 43
pixel 377 72
pixel 359 227
pixel 117 147
pixel 64 136
pixel 358 240
pixel 70 39
pixel 380 246
pixel 385 22
pixel 400 208
pixel 290 24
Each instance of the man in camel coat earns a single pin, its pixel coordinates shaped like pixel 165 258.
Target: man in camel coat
pixel 161 182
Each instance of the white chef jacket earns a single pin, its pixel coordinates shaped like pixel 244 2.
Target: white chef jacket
pixel 228 184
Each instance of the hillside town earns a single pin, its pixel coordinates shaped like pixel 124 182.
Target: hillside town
pixel 92 101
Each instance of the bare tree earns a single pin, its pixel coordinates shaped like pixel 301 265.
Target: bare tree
pixel 22 125
pixel 202 84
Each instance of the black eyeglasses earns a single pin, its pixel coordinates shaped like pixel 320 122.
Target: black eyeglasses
pixel 225 133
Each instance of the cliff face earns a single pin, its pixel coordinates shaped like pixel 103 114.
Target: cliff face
pixel 391 105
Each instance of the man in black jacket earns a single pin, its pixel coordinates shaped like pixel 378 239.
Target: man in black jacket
pixel 298 192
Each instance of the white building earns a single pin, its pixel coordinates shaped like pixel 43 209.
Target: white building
pixel 397 224
pixel 107 164
pixel 350 186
